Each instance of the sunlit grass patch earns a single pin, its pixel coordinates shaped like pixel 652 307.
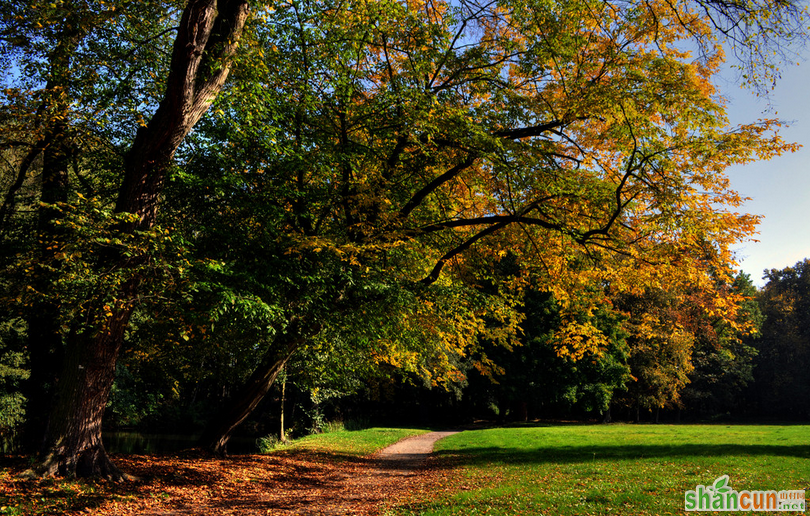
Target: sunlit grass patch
pixel 611 469
pixel 356 442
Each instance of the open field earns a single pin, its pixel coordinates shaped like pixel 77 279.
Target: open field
pixel 611 469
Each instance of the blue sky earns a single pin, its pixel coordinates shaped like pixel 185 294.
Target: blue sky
pixel 780 188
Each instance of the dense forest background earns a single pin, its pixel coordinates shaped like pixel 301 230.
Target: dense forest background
pixel 759 377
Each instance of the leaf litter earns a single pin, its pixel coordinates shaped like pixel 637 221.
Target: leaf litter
pixel 197 483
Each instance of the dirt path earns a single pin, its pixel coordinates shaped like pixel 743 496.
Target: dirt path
pixel 390 478
pixel 408 454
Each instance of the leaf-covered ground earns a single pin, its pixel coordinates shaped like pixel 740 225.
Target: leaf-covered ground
pixel 192 483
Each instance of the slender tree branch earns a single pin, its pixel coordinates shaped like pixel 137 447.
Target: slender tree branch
pixel 9 201
pixel 437 269
pixel 419 196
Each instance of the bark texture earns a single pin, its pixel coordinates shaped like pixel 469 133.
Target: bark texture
pixel 207 38
pixel 73 441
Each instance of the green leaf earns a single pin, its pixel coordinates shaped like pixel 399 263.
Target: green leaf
pixel 720 485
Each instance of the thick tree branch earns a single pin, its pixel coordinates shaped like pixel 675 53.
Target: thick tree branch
pixel 492 219
pixel 495 222
pixel 241 405
pixel 207 37
pixel 537 130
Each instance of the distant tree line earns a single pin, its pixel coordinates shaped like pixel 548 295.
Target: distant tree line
pixel 719 375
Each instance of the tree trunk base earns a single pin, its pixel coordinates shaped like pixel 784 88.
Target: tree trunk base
pixel 92 462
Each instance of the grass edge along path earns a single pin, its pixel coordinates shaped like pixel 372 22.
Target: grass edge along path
pixel 639 470
pixel 357 443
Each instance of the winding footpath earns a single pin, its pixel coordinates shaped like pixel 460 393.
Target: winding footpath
pixel 386 479
pixel 407 455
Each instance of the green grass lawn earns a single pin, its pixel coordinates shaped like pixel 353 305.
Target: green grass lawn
pixel 612 469
pixel 353 442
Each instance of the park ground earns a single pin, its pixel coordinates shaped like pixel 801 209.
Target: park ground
pixel 529 469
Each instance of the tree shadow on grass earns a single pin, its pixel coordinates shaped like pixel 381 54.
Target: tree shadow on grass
pixel 477 456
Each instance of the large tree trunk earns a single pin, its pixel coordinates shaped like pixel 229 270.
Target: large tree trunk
pixel 69 387
pixel 73 443
pixel 45 344
pixel 207 37
pixel 245 401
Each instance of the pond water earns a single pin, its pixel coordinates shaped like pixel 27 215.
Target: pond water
pixel 140 443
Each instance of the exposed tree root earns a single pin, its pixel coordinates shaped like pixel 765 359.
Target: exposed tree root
pixel 93 462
